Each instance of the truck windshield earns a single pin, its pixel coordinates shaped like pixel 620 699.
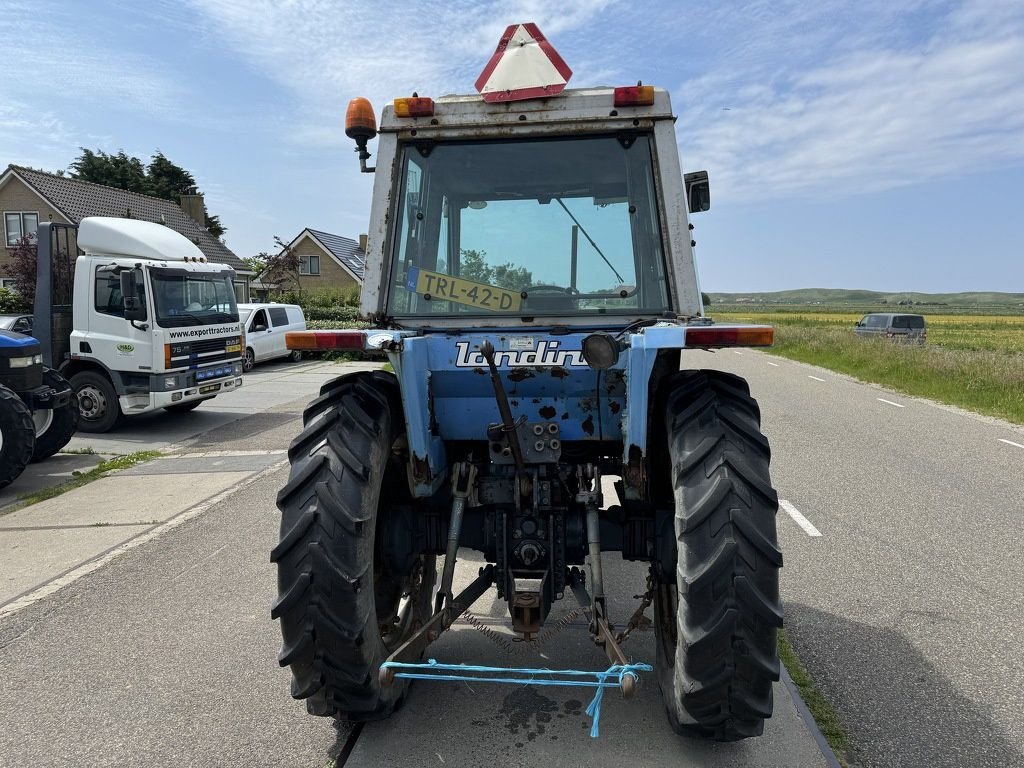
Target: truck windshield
pixel 182 298
pixel 559 226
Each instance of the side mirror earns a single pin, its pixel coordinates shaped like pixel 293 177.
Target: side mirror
pixel 698 191
pixel 133 307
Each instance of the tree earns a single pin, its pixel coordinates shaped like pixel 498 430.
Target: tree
pixel 281 267
pixel 160 178
pixel 473 266
pixel 22 268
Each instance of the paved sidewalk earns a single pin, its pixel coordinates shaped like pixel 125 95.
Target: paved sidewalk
pixel 48 540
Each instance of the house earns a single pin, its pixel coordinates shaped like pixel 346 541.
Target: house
pixel 328 261
pixel 28 196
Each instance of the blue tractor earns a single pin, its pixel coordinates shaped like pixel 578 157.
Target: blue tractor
pixel 38 410
pixel 530 277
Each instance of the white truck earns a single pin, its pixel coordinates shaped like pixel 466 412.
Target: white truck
pixel 140 321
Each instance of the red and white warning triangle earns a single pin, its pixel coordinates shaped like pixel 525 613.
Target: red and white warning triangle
pixel 525 66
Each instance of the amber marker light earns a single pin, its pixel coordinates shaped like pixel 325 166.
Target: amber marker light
pixel 634 96
pixel 414 106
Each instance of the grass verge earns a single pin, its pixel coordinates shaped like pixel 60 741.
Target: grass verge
pixel 985 381
pixel 824 715
pixel 82 478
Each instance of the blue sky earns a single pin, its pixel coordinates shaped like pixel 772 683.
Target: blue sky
pixel 864 144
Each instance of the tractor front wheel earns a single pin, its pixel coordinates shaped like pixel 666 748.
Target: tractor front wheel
pixel 346 599
pixel 55 427
pixel 716 620
pixel 17 436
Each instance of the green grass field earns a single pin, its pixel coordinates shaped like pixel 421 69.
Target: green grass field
pixel 974 361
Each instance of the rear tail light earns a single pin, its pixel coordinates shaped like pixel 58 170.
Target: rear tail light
pixel 325 340
pixel 741 336
pixel 634 96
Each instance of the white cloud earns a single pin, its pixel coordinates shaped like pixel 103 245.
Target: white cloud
pixel 29 136
pixel 326 52
pixel 874 117
pixel 77 69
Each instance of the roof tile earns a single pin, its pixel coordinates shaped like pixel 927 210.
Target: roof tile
pixel 78 199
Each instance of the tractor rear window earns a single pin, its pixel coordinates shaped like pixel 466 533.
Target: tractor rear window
pixel 565 226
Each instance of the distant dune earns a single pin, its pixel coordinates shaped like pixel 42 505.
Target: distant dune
pixel 844 296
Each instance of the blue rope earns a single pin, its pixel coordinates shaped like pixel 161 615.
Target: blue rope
pixel 430 670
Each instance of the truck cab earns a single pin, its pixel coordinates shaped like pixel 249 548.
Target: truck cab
pixel 153 323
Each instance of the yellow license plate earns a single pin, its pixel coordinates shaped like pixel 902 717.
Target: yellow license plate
pixel 447 288
pixel 233 348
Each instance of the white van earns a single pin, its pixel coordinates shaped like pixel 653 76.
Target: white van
pixel 265 326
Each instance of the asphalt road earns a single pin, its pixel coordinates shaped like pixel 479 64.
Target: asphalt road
pixel 166 655
pixel 907 608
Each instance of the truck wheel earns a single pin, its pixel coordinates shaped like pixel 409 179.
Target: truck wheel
pixel 98 408
pixel 716 621
pixel 346 599
pixel 17 436
pixel 191 405
pixel 54 427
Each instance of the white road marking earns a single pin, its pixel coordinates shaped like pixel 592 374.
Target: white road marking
pixel 889 402
pixel 218 454
pixel 736 352
pixel 814 377
pixel 774 365
pixel 1010 442
pixel 799 519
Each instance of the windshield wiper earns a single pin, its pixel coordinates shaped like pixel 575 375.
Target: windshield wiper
pixel 183 314
pixel 587 235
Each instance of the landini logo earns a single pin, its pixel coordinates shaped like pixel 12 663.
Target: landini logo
pixel 545 353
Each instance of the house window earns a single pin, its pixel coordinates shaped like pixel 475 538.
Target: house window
pixel 17 224
pixel 240 291
pixel 8 283
pixel 309 265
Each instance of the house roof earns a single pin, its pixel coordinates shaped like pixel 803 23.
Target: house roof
pixel 343 249
pixel 77 199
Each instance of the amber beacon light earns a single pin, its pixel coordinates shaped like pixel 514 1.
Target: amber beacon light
pixel 361 126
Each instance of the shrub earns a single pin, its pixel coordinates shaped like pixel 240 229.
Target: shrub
pixel 12 301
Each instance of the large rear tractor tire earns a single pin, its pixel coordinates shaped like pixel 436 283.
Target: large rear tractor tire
pixel 346 601
pixel 56 427
pixel 17 436
pixel 716 621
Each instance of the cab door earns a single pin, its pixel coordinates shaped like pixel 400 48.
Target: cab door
pixel 258 333
pixel 279 324
pixel 114 341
